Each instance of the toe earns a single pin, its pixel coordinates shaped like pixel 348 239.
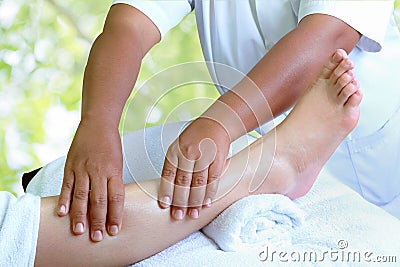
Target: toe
pixel 350 94
pixel 344 66
pixel 355 99
pixel 344 80
pixel 332 63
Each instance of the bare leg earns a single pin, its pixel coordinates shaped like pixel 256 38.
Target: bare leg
pixel 305 140
pixel 320 120
pixel 146 230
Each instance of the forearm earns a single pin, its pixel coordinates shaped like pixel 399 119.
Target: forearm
pixel 284 73
pixel 114 64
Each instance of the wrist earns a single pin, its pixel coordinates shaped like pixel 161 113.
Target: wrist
pixel 99 122
pixel 101 118
pixel 224 118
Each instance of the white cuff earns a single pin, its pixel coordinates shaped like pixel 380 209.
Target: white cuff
pixel 368 17
pixel 165 14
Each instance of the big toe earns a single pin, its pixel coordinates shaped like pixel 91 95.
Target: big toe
pixel 332 63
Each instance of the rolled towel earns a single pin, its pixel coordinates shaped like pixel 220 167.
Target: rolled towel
pixel 255 221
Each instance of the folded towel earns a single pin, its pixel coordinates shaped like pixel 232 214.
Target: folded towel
pixel 255 221
pixel 19 225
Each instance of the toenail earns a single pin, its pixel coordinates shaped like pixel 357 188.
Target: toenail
pixel 337 57
pixel 348 61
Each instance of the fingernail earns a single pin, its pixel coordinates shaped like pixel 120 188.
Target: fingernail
pixel 97 236
pixel 166 201
pixel 62 209
pixel 79 228
pixel 207 203
pixel 113 230
pixel 178 214
pixel 194 213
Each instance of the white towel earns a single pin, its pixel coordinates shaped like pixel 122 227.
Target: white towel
pixel 255 221
pixel 338 217
pixel 19 225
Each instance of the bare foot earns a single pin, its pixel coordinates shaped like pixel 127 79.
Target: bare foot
pixel 319 122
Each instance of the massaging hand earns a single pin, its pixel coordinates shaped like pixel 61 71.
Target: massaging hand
pixel 93 181
pixel 193 164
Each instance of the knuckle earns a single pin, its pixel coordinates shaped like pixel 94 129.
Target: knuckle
pixel 199 180
pixel 81 194
pixel 98 168
pixel 68 185
pixel 99 201
pixel 116 198
pixel 183 180
pixel 213 177
pixel 172 149
pixel 113 219
pixel 190 152
pixel 97 223
pixel 63 199
pixel 79 215
pixel 112 170
pixel 169 173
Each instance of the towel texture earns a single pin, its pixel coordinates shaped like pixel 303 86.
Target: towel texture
pixel 256 221
pixel 19 226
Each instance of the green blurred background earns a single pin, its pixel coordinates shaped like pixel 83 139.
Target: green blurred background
pixel 44 46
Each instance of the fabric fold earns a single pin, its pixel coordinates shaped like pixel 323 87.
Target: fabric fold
pixel 257 220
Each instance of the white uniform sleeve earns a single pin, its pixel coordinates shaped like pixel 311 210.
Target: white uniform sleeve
pixel 165 14
pixel 368 17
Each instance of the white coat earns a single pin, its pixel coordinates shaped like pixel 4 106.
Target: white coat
pixel 238 33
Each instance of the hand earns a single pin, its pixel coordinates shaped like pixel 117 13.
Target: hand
pixel 93 175
pixel 193 164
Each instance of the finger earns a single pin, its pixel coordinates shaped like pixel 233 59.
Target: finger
pixel 116 197
pixel 79 203
pixel 197 192
pixel 183 181
pixel 214 173
pixel 167 181
pixel 98 208
pixel 67 188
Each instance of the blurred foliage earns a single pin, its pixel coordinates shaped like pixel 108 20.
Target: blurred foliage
pixel 44 46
